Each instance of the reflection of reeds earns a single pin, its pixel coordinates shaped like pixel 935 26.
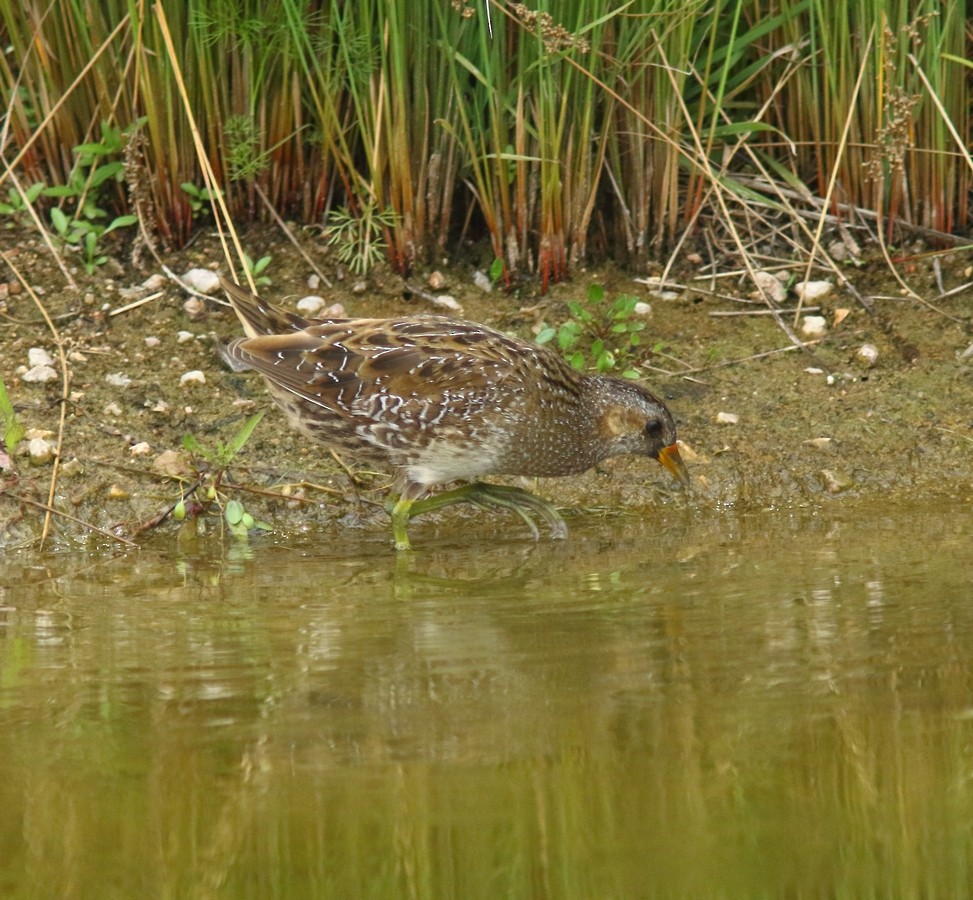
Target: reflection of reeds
pixel 559 129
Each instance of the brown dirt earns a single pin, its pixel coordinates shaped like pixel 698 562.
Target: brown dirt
pixel 904 425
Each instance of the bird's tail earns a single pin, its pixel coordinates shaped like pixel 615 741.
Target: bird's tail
pixel 258 317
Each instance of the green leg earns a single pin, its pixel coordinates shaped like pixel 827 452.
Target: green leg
pixel 484 496
pixel 401 512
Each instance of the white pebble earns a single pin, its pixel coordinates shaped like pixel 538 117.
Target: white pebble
pixel 152 341
pixel 809 291
pixel 642 308
pixel 814 370
pixel 39 374
pixel 448 302
pixel 193 377
pixel 726 418
pixel 868 355
pixel 202 280
pixel 40 451
pixel 154 282
pixel 310 305
pixel 183 336
pixel 314 281
pixel 112 409
pixel 195 308
pixel 142 448
pixel 770 285
pixel 117 379
pixel 482 281
pixel 814 326
pixel 38 356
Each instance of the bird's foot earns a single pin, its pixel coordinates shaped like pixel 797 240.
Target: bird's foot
pixel 484 496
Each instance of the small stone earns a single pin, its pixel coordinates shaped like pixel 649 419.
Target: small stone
pixel 821 443
pixel 867 355
pixel 40 451
pixel 840 315
pixel 195 308
pixel 448 302
pixel 171 463
pixel 310 305
pixel 72 468
pixel 359 287
pixel 770 285
pixel 436 280
pixel 814 370
pixel 142 448
pixel 154 282
pixel 118 379
pixel 814 326
pixel 727 418
pixel 39 375
pixel 44 433
pixel 202 280
pixel 193 377
pixel 117 492
pixel 38 356
pixel 642 309
pixel 112 409
pixel 835 482
pixel 160 406
pixel 77 357
pixel 183 336
pixel 314 281
pixel 688 454
pixel 152 341
pixel 482 281
pixel 809 291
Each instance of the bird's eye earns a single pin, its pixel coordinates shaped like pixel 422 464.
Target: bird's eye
pixel 653 428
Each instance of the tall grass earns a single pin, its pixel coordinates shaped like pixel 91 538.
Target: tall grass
pixel 559 131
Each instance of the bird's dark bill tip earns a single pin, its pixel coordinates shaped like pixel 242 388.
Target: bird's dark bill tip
pixel 672 461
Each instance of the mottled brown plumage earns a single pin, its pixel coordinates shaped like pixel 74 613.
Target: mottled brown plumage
pixel 444 400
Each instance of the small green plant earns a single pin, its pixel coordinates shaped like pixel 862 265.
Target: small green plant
pixel 200 199
pixel 13 428
pixel 94 171
pixel 15 206
pixel 238 520
pixel 359 239
pixel 256 268
pixel 602 335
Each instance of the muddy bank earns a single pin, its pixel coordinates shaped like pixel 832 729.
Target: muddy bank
pixel 796 427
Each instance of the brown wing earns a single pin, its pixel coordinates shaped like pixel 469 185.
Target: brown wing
pixel 397 384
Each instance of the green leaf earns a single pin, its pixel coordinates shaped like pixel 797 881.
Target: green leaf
pixel 59 220
pixel 190 443
pixel 13 429
pixel 121 222
pixel 233 513
pixel 235 444
pixel 596 293
pixel 545 335
pixel 496 269
pixel 103 173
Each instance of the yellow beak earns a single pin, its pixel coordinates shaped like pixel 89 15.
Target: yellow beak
pixel 670 458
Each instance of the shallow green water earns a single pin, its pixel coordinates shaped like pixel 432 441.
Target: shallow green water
pixel 760 705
